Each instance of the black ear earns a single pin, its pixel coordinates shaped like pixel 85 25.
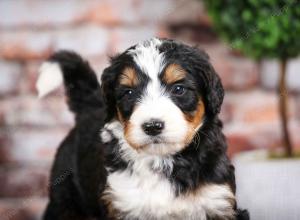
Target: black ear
pixel 214 92
pixel 211 85
pixel 108 84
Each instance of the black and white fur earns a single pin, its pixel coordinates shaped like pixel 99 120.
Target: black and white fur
pixel 117 171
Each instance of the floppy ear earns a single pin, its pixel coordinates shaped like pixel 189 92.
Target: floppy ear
pixel 215 93
pixel 108 84
pixel 212 88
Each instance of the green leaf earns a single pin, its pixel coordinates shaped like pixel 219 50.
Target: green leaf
pixel 258 28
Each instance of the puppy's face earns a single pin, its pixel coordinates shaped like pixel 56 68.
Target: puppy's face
pixel 158 91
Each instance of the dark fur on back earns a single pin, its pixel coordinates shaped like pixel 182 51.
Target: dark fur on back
pixel 79 173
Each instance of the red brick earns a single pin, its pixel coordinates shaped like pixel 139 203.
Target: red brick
pixel 46 13
pixel 61 13
pixel 4 151
pixel 236 73
pixel 31 144
pixel 171 11
pixel 297 106
pixel 226 114
pixel 14 181
pixel 259 134
pixel 25 45
pixel 22 209
pixel 103 13
pixel 140 12
pixel 244 75
pixel 294 128
pixel 255 107
pixel 238 143
pixel 255 121
pixel 243 137
pixel 180 12
pixel 128 12
pixel 90 40
pixel 30 111
pixel 270 73
pixel 30 77
pixel 158 11
pixel 98 63
pixel 124 38
pixel 106 13
pixel 10 73
pixel 163 32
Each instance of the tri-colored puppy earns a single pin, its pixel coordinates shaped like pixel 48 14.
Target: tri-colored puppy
pixel 147 144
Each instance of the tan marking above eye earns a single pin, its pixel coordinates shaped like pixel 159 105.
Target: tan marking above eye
pixel 173 73
pixel 129 77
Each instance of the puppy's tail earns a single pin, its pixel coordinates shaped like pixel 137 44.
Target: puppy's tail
pixel 81 85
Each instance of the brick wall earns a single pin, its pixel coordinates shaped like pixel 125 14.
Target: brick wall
pixel 31 129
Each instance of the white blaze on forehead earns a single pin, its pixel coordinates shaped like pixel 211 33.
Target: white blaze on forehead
pixel 151 61
pixel 148 58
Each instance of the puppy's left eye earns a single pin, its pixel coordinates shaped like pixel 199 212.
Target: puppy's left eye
pixel 178 90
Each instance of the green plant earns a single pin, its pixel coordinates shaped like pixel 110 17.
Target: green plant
pixel 262 29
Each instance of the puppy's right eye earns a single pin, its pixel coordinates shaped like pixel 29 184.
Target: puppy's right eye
pixel 128 92
pixel 178 90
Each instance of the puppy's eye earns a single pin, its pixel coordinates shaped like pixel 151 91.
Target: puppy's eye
pixel 178 90
pixel 128 92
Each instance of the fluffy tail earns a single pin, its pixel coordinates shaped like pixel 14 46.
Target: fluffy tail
pixel 81 85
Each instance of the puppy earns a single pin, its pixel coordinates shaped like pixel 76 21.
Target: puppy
pixel 147 143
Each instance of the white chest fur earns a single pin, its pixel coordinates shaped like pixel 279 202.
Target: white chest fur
pixel 143 194
pixel 147 195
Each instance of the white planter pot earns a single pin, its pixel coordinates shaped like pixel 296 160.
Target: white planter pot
pixel 268 188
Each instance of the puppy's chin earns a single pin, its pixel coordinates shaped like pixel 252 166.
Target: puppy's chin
pixel 162 148
pixel 160 145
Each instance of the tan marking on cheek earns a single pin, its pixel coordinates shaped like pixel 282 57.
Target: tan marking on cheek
pixel 120 117
pixel 127 131
pixel 129 77
pixel 173 73
pixel 127 128
pixel 194 121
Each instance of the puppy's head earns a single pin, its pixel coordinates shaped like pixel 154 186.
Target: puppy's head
pixel 161 91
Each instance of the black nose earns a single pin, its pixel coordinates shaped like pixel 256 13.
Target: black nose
pixel 153 127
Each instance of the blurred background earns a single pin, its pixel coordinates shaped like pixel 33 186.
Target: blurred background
pixel 31 129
